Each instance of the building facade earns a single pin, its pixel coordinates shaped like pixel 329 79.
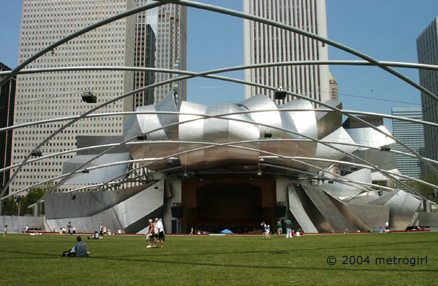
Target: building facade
pixel 51 95
pixel 144 56
pixel 412 135
pixel 7 98
pixel 333 88
pixel 427 52
pixel 267 44
pixel 169 25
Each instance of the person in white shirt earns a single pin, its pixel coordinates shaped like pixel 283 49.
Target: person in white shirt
pixel 159 232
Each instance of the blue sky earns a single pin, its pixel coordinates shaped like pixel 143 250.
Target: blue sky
pixel 384 29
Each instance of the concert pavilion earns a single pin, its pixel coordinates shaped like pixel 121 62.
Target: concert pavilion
pixel 235 165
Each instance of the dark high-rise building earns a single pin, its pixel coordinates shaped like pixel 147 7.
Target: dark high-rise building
pixel 7 98
pixel 427 51
pixel 144 56
pixel 169 25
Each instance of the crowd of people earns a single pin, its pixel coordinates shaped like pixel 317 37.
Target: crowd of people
pixel 266 230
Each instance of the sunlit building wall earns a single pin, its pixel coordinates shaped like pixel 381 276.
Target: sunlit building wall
pixel 267 44
pixel 42 96
pixel 410 134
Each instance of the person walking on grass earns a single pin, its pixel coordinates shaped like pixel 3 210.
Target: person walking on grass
pixel 6 230
pixel 263 224
pixel 280 229
pixel 289 229
pixel 150 236
pixel 159 233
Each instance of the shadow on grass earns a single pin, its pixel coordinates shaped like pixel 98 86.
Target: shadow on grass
pixel 46 255
pixel 150 257
pixel 147 259
pixel 329 268
pixel 283 251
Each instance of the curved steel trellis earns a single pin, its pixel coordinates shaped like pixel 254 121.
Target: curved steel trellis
pixel 224 11
pixel 204 115
pixel 110 101
pixel 221 116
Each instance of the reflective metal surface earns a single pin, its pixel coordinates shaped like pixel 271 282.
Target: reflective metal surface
pixel 402 208
pixel 296 203
pixel 87 210
pixel 345 203
pixel 328 122
pixel 94 176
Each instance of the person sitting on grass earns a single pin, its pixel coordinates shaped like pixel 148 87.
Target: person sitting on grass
pixel 95 236
pixel 80 248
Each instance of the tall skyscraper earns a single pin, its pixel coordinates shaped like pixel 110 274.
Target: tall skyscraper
pixel 427 52
pixel 144 57
pixel 412 135
pixel 7 99
pixel 58 94
pixel 333 88
pixel 267 44
pixel 169 25
pixel 171 48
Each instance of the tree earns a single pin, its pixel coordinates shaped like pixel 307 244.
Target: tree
pixel 10 205
pixel 32 197
pixel 426 191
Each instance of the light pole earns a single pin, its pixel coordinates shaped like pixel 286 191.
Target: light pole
pixel 18 199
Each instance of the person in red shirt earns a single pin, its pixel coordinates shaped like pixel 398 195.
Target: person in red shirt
pixel 151 233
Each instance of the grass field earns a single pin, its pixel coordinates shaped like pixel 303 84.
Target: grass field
pixel 223 260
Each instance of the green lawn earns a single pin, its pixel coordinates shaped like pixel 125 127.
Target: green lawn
pixel 222 260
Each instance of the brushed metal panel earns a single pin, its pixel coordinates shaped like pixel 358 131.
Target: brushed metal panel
pixel 371 215
pixel 402 208
pixel 100 175
pixel 363 198
pixel 168 104
pixel 149 122
pixel 328 122
pixel 314 212
pixel 351 217
pixel 192 131
pixel 297 209
pixel 348 191
pixel 223 131
pixel 330 212
pixel 339 135
pixel 370 137
pixel 304 121
pixel 89 141
pixel 262 102
pixel 384 198
pixel 61 205
pixel 377 176
pixel 131 127
pixel 428 219
pixel 125 215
